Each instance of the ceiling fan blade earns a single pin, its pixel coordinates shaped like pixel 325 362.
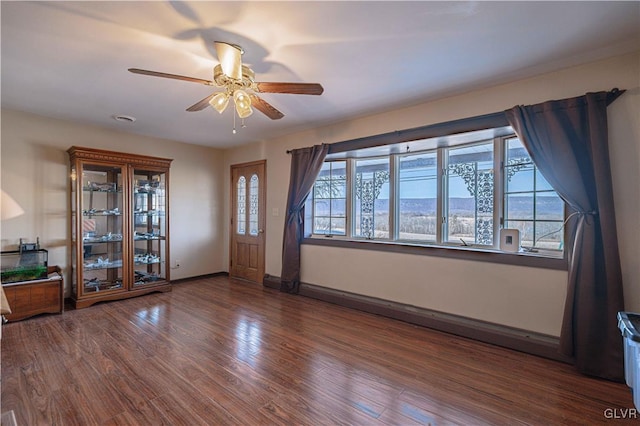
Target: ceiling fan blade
pixel 294 88
pixel 265 107
pixel 174 76
pixel 199 106
pixel 230 57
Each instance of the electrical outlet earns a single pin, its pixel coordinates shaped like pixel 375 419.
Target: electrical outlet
pixel 177 264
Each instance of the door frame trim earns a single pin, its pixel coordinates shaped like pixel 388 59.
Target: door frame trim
pixel 262 162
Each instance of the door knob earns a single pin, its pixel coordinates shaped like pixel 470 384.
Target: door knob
pixel 260 231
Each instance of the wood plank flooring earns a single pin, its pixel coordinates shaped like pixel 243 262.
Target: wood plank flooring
pixel 219 351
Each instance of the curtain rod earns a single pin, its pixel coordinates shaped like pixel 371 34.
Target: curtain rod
pixel 614 94
pixel 496 119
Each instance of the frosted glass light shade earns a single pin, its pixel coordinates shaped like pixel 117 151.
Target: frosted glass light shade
pixel 243 103
pixel 219 102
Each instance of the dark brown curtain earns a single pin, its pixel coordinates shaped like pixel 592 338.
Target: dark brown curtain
pixel 567 140
pixel 305 166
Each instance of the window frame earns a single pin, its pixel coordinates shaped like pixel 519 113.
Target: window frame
pixel 445 184
pixel 347 196
pixel 535 194
pixel 491 253
pixel 351 182
pixel 439 179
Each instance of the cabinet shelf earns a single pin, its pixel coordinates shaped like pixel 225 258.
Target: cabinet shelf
pixel 102 239
pixel 151 191
pixel 148 238
pixel 106 187
pixel 142 262
pixel 149 213
pixel 102 264
pixel 104 191
pixel 142 278
pixel 120 230
pixel 90 215
pixel 95 285
pixel 146 259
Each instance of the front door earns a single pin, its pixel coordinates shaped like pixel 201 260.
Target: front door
pixel 247 237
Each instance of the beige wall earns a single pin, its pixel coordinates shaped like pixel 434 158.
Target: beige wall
pixel 35 173
pixel 35 168
pixel 522 297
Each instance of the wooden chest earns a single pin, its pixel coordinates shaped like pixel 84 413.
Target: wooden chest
pixel 29 298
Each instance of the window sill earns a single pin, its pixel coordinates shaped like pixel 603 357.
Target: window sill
pixel 534 260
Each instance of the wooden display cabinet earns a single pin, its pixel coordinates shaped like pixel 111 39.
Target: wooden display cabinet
pixel 120 225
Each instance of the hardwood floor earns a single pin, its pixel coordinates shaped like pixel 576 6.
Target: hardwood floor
pixel 219 351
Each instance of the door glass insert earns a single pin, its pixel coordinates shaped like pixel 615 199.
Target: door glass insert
pixel 254 186
pixel 241 202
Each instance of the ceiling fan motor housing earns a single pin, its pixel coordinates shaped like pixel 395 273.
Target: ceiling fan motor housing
pixel 223 80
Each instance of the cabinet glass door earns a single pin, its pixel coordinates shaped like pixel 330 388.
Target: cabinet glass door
pixel 150 227
pixel 102 228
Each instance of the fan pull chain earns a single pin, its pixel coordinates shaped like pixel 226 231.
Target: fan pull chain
pixel 234 123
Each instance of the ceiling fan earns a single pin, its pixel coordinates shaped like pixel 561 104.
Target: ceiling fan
pixel 238 83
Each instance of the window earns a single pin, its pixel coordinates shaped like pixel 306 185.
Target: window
pixel 371 189
pixel 449 192
pixel 531 205
pixel 330 199
pixel 417 195
pixel 469 187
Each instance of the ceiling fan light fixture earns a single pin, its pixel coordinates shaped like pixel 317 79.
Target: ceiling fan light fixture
pixel 238 81
pixel 243 103
pixel 220 101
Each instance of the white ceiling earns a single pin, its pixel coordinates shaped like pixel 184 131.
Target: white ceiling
pixel 69 60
